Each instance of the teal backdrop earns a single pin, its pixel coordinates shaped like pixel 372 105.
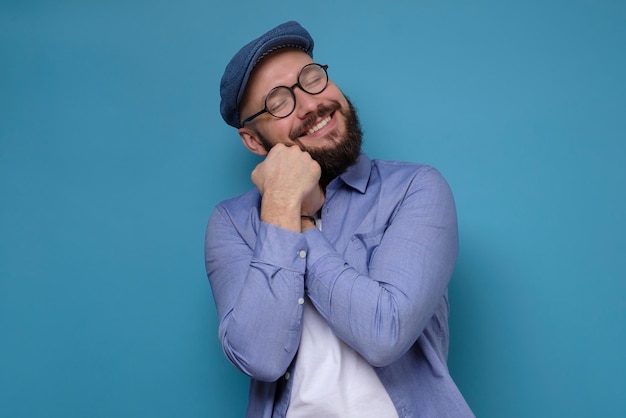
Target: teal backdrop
pixel 113 155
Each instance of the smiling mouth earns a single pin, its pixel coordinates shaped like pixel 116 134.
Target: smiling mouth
pixel 320 125
pixel 311 126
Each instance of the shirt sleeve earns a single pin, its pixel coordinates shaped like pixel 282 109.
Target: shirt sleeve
pixel 382 313
pixel 258 290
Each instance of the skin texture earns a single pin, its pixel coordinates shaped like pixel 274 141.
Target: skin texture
pixel 288 178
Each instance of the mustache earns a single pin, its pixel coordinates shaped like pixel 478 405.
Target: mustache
pixel 309 122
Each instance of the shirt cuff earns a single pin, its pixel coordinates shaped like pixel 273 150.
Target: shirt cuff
pixel 280 247
pixel 318 247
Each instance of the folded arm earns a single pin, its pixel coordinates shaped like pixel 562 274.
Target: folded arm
pixel 382 312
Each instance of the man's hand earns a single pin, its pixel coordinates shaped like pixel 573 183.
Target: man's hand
pixel 288 180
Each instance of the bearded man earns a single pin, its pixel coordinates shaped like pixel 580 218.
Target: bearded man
pixel 330 277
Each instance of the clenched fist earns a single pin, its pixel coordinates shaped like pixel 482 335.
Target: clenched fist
pixel 288 180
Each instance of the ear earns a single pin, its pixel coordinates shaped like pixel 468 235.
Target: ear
pixel 250 140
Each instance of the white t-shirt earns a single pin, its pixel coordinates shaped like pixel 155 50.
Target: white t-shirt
pixel 331 379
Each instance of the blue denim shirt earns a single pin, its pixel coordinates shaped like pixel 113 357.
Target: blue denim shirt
pixel 378 272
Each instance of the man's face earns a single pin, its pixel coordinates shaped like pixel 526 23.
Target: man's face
pixel 323 124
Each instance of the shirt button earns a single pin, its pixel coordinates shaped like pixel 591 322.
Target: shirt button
pixel 287 376
pixel 302 253
pixel 301 301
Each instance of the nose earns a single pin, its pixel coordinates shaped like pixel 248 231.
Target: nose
pixel 305 103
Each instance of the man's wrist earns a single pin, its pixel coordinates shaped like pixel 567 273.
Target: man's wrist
pixel 309 218
pixel 307 222
pixel 281 213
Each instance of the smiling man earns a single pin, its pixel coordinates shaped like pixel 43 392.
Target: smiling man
pixel 330 277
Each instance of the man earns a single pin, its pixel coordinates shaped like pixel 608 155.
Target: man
pixel 330 277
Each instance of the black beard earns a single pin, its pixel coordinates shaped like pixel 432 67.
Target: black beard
pixel 334 161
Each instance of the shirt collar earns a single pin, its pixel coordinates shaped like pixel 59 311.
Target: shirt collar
pixel 358 174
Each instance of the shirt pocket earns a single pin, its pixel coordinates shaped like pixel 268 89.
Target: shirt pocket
pixel 362 248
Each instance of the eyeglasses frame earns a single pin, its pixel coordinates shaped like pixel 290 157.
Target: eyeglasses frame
pixel 293 95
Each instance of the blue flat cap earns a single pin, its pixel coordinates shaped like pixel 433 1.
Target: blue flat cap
pixel 235 78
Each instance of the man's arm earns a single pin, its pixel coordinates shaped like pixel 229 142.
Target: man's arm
pixel 259 287
pixel 382 314
pixel 257 292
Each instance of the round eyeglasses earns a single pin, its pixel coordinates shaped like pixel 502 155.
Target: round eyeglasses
pixel 281 101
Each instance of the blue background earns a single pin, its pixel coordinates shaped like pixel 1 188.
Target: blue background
pixel 113 155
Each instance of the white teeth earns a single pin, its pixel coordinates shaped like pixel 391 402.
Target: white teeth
pixel 319 126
